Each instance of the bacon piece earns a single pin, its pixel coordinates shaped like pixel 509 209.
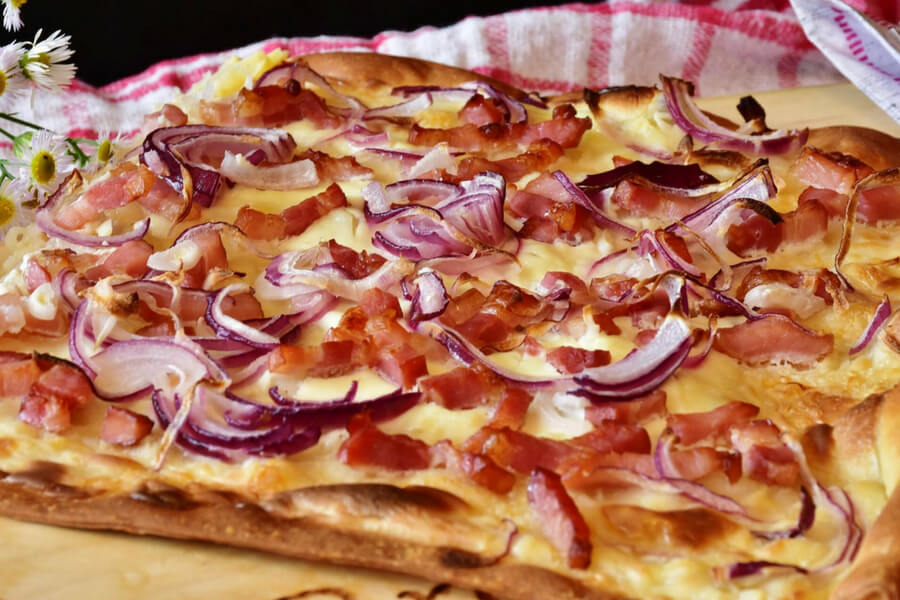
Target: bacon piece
pixel 833 202
pixel 609 470
pixel 401 365
pixel 128 259
pixel 560 518
pixel 774 339
pixel 124 427
pixel 539 156
pixel 558 279
pixel 639 410
pixel 522 452
pixel 164 201
pixel 714 424
pixel 17 374
pixel 568 360
pixel 506 311
pixel 550 212
pixel 610 436
pixel 461 388
pixel 808 223
pixel 125 184
pixel 258 225
pixel 481 111
pixel 335 168
pixel 299 217
pixel 755 233
pixel 357 264
pixel 369 446
pixel 378 302
pixel 270 106
pixel 168 116
pixel 635 199
pixel 212 256
pixel 480 469
pixel 564 129
pixel 511 410
pixel 696 463
pixel 818 282
pixel 53 396
pixel 293 220
pixel 765 457
pixel 327 359
pixel 35 275
pixel 878 204
pixel 829 170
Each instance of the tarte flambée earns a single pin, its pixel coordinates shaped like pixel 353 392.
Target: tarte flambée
pixel 380 312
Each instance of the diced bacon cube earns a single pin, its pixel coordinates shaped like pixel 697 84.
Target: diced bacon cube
pixel 124 427
pixel 52 413
pixel 369 446
pixel 693 427
pixel 258 225
pixel 460 388
pixel 512 408
pixel 559 518
pixel 66 382
pixel 401 365
pixel 568 360
pixel 17 374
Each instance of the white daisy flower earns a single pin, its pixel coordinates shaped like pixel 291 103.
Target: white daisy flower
pixel 12 82
pixel 46 162
pixel 15 208
pixel 12 19
pixel 110 147
pixel 44 64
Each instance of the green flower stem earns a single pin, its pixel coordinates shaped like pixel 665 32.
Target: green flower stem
pixel 77 153
pixel 7 134
pixel 17 121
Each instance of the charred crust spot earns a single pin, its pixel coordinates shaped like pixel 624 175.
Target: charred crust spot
pixel 380 499
pixel 45 476
pixel 436 591
pixel 455 558
pixel 292 87
pixel 818 441
pixel 163 495
pixel 627 97
pixel 326 591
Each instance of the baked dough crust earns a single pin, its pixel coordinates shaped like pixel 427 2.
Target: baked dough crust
pixel 221 517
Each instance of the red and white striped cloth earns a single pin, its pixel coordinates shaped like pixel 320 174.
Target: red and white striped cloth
pixel 723 46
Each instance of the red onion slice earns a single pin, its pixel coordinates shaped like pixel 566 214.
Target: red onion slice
pixel 174 366
pixel 435 159
pixel 693 121
pixel 581 198
pixel 230 328
pixel 43 218
pixel 745 569
pixel 804 521
pixel 301 72
pixel 644 369
pixel 289 176
pixel 337 413
pixel 882 312
pixel 429 299
pixel 691 489
pixel 467 353
pixel 196 151
pixel 410 108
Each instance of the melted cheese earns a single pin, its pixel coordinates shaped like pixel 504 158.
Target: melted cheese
pixel 614 564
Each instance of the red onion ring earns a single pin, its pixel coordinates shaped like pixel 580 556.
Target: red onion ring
pixel 882 312
pixel 581 198
pixel 288 176
pixel 43 218
pixel 693 121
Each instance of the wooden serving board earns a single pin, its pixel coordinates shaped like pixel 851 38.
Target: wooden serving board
pixel 39 562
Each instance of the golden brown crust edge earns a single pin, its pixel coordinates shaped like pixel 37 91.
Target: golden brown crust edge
pixel 373 71
pixel 223 518
pixel 875 574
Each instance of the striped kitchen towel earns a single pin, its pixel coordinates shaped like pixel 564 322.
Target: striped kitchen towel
pixel 723 46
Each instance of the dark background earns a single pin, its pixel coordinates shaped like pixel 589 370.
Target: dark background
pixel 116 38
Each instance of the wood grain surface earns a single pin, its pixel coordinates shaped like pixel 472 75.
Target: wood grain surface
pixel 39 562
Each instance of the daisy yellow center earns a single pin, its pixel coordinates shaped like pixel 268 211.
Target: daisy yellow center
pixel 7 210
pixel 104 151
pixel 43 167
pixel 18 3
pixel 2 82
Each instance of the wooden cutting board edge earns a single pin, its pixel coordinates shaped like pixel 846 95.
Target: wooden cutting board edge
pixel 55 564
